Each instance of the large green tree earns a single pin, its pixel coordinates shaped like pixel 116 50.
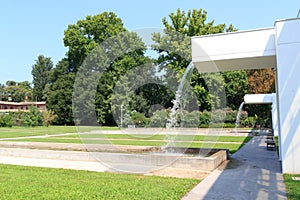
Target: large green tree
pixel 59 96
pixel 81 38
pixel 16 91
pixel 103 68
pixel 41 76
pixel 88 54
pixel 174 46
pixel 236 86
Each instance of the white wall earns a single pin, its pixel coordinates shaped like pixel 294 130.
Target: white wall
pixel 288 75
pixel 253 49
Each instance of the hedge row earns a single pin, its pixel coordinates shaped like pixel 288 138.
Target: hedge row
pixel 32 118
pixel 225 118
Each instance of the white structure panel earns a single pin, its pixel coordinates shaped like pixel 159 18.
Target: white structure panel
pixel 288 70
pixel 258 98
pixel 233 51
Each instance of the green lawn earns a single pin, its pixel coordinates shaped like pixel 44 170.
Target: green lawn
pixel 18 131
pixel 18 182
pixel 292 186
pixel 233 143
pixel 162 137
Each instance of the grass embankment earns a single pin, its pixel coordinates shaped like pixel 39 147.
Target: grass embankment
pixel 292 183
pixel 18 182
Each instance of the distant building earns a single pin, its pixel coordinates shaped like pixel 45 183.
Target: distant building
pixel 7 106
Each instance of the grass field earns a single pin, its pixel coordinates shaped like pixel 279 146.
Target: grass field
pixel 233 143
pixel 18 182
pixel 292 186
pixel 18 131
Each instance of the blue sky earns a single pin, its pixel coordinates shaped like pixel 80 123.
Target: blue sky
pixel 30 28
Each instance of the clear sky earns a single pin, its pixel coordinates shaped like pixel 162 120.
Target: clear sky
pixel 31 27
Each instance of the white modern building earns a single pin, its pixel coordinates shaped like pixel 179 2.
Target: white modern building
pixel 277 47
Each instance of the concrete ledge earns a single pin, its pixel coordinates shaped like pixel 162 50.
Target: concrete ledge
pixel 155 160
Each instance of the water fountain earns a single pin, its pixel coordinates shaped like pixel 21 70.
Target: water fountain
pixel 176 113
pixel 238 116
pixel 178 103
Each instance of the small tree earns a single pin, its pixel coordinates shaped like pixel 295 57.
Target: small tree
pixel 5 121
pixel 32 118
pixel 48 117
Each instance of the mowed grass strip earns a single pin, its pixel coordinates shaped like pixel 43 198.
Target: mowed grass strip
pixel 162 137
pixel 292 183
pixel 19 182
pixel 18 131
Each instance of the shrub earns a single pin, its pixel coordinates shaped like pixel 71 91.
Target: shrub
pixel 218 116
pixel 226 125
pixel 139 119
pixel 5 120
pixel 32 118
pixel 48 117
pixel 191 119
pixel 204 118
pixel 230 116
pixel 249 122
pixel 159 118
pixel 203 126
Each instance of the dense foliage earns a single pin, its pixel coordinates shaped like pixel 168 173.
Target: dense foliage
pixel 16 91
pixel 41 77
pixel 32 118
pixel 103 55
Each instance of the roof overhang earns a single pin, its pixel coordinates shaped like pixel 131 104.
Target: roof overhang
pixel 254 49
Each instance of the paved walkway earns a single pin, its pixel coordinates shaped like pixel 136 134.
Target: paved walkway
pixel 253 173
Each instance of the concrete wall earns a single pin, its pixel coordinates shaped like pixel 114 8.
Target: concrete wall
pixel 288 91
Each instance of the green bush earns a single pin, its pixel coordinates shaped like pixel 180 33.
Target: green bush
pixel 5 120
pixel 159 118
pixel 203 126
pixel 230 116
pixel 191 119
pixel 139 119
pixel 204 118
pixel 218 116
pixel 249 122
pixel 48 117
pixel 33 117
pixel 228 125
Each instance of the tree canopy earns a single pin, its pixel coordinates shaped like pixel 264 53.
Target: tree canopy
pixel 16 91
pixel 106 77
pixel 41 76
pixel 175 46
